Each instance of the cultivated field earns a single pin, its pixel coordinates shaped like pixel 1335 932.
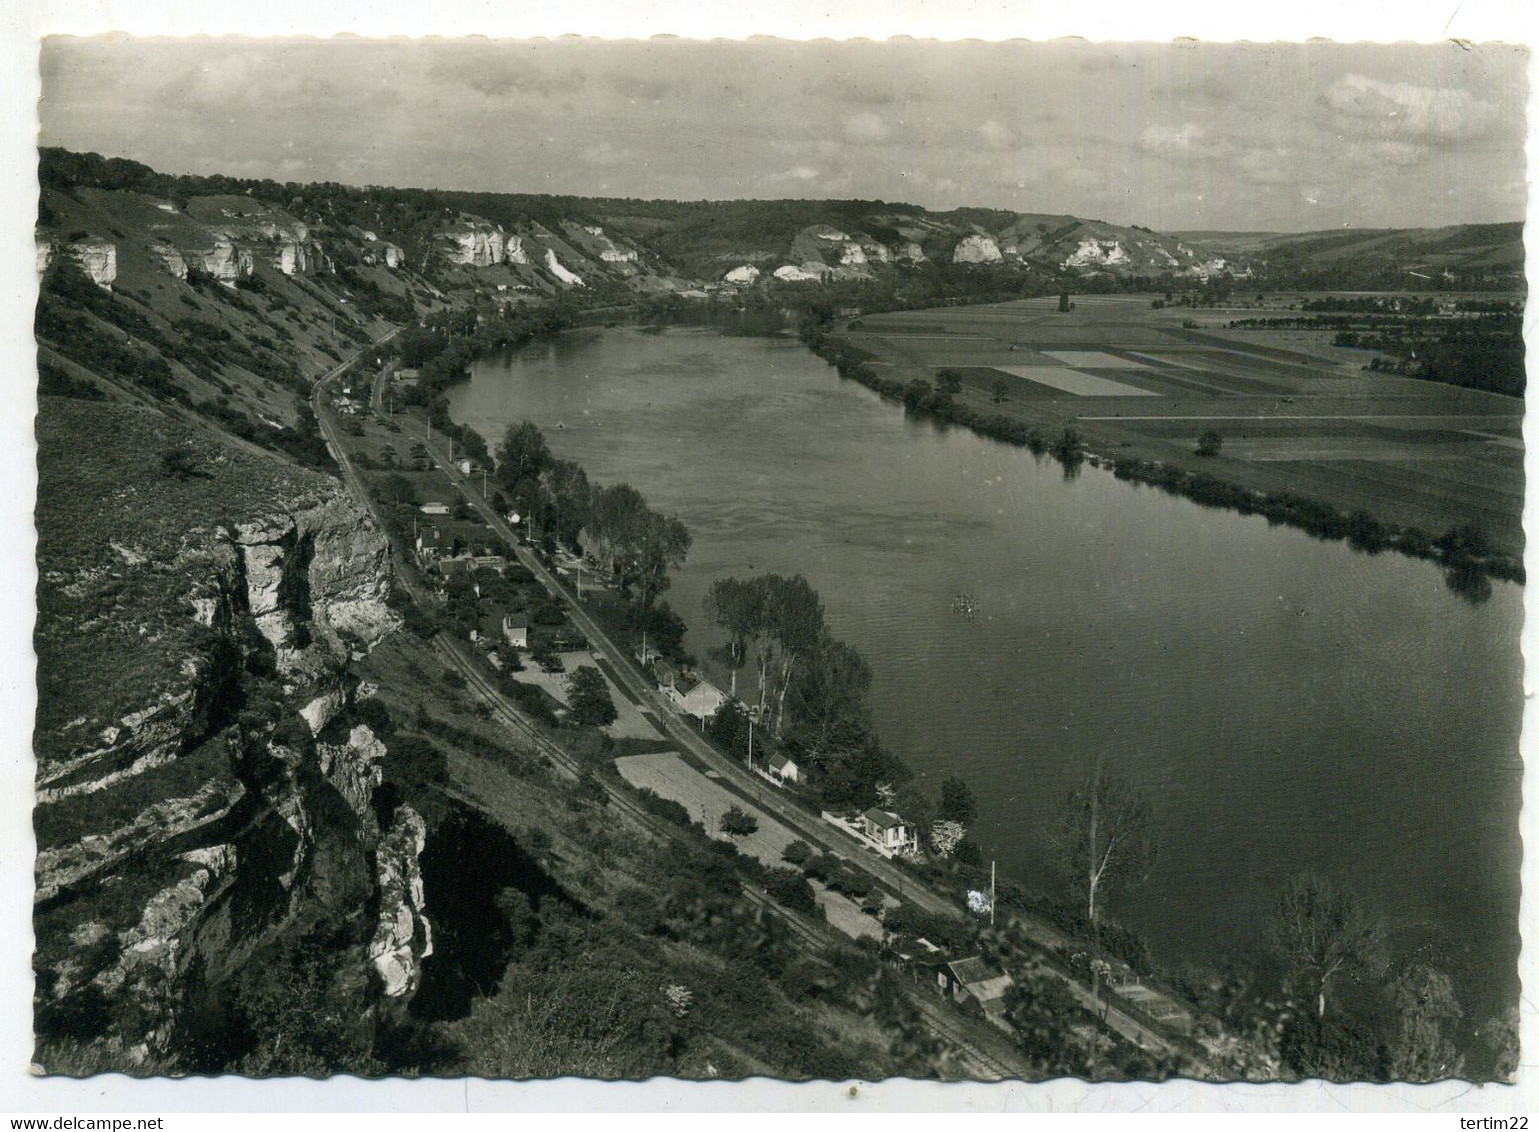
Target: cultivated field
pixel 1295 412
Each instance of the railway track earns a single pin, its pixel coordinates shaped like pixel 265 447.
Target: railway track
pixel 984 1066
pixel 949 1029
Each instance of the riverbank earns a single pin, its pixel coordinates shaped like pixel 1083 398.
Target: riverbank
pixel 1372 513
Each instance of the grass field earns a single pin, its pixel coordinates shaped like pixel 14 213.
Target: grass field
pixel 1295 413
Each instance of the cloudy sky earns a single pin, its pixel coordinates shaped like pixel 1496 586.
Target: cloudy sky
pixel 1202 136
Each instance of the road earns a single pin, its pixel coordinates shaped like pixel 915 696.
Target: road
pixel 629 676
pixel 816 832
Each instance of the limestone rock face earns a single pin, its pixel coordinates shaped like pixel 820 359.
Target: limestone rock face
pixel 354 769
pixel 977 249
pixel 809 272
pixel 404 937
pixel 743 275
pixel 553 265
pixel 98 259
pixel 44 253
pixel 394 257
pixel 170 258
pixel 325 565
pixel 226 262
pixel 1098 253
pixel 476 245
pixel 58 866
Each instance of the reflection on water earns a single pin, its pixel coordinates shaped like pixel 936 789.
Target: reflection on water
pixel 1288 704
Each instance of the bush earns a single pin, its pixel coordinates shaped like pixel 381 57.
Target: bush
pixel 736 823
pixel 797 853
pixel 790 888
pixel 665 808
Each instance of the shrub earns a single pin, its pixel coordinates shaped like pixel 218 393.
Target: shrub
pixel 736 823
pixel 797 853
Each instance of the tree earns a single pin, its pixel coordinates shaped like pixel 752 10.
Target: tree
pixel 1104 835
pixel 522 455
pixel 737 823
pixel 1001 391
pixel 829 690
pixel 588 696
pixel 1320 931
pixel 1209 443
pixel 795 627
pixel 736 607
pixel 945 836
pixel 957 802
pixel 797 853
pixel 1428 1010
pixel 948 381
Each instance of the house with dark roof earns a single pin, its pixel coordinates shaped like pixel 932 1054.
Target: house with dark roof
pixel 890 832
pixel 783 768
pixel 974 978
pixel 515 629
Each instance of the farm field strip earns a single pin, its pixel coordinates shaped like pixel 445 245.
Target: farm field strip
pixel 1074 382
pixel 1092 359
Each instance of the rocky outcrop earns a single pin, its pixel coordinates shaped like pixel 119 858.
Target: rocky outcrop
pixel 744 276
pixel 404 936
pixel 1098 253
pixel 44 253
pixel 170 258
pixel 324 568
pixel 553 265
pixel 809 272
pixel 354 769
pixel 393 256
pixel 476 245
pixel 977 249
pixel 225 262
pixel 59 866
pixel 98 259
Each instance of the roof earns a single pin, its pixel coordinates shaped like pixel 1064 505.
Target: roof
pixel 883 819
pixel 985 982
pixel 515 620
pixel 703 687
pixel 780 762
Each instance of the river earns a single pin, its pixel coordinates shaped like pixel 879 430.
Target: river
pixel 1286 704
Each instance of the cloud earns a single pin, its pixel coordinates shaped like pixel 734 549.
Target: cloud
pixel 996 134
pixel 1188 140
pixel 866 126
pixel 1408 110
pixel 802 173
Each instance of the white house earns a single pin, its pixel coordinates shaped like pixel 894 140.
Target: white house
pixel 783 769
pixel 890 832
pixel 515 628
pixel 693 696
pixel 435 508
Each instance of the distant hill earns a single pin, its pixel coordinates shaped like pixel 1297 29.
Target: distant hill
pixel 1462 255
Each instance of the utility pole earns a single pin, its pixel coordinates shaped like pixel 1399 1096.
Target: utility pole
pixel 991 894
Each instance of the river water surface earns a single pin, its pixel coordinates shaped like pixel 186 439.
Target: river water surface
pixel 1286 704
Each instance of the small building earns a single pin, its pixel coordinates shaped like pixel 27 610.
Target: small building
pixel 890 832
pixel 664 673
pixel 434 508
pixel 783 768
pixel 466 466
pixel 515 629
pixel 973 978
pixel 694 696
